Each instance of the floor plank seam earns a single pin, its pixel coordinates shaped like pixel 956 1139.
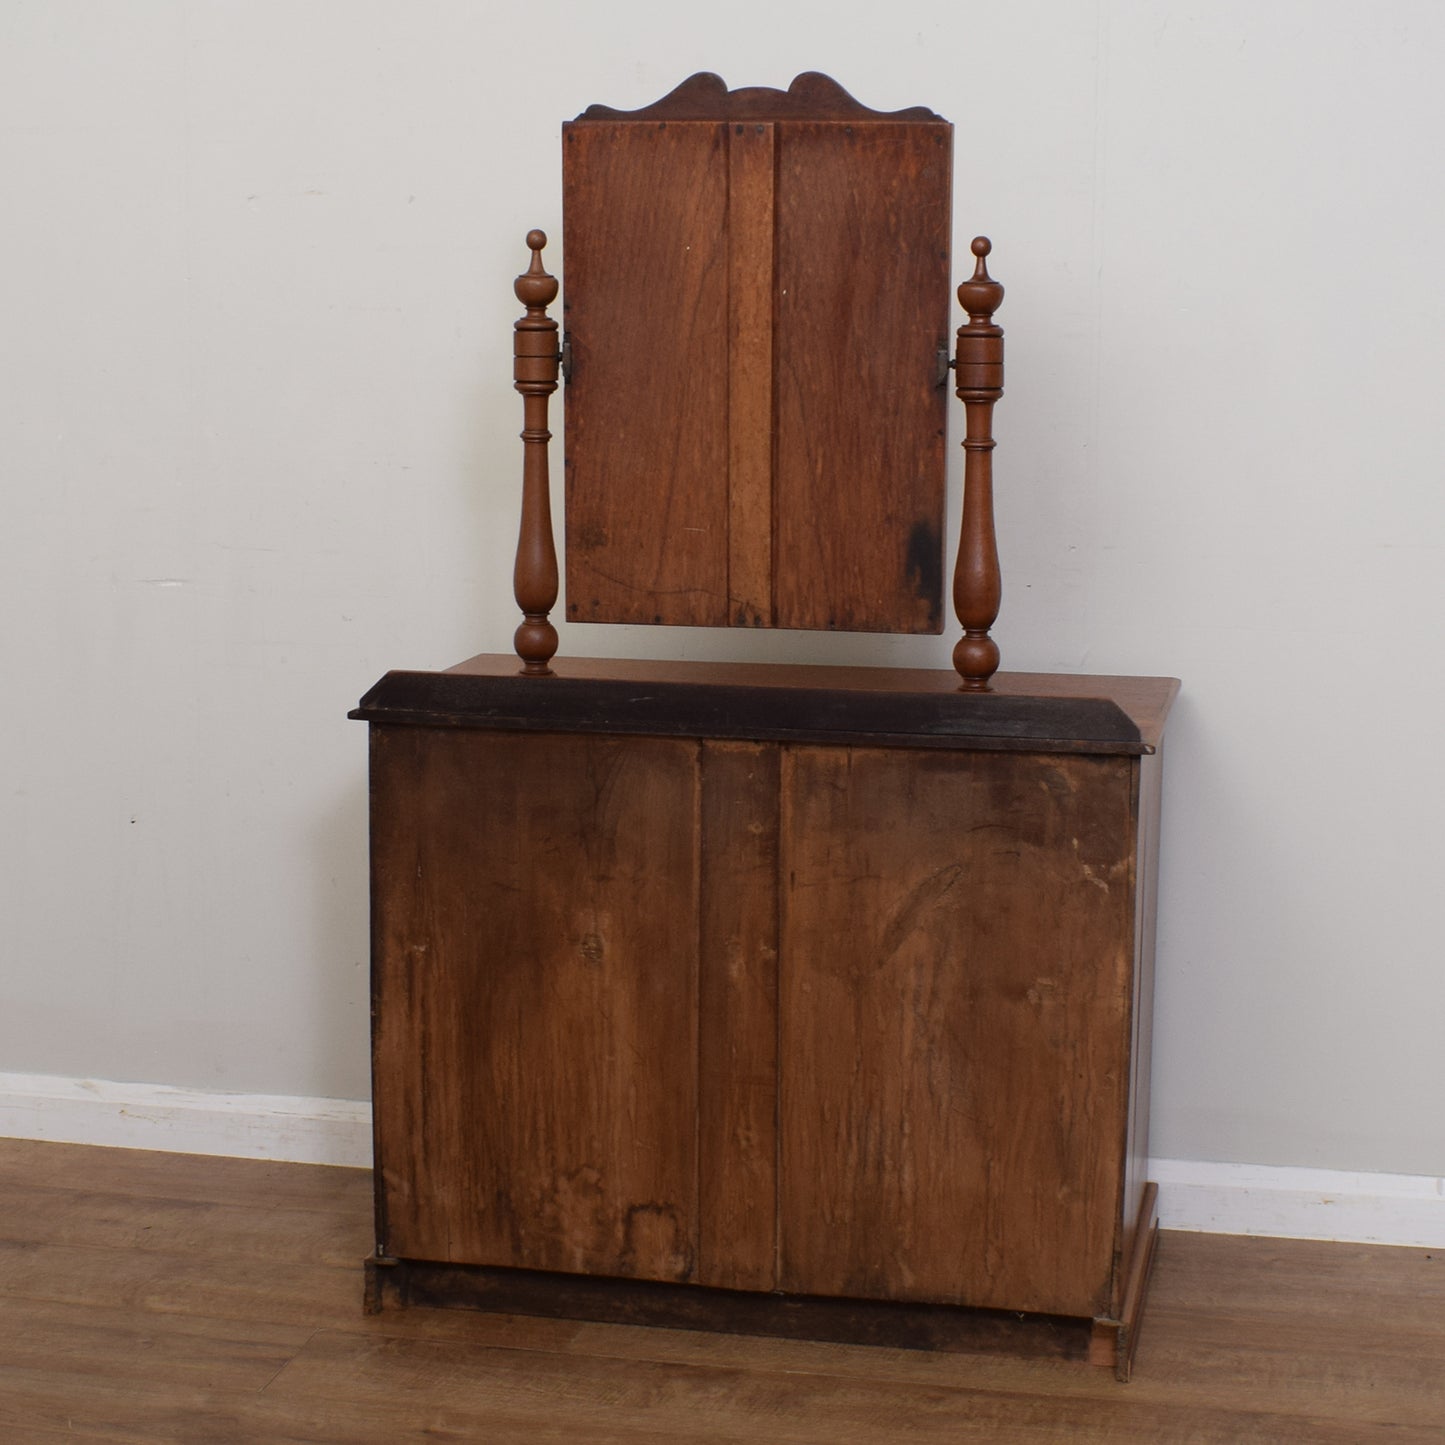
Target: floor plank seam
pixel 290 1360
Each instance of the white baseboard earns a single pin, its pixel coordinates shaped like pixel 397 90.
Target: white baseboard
pixel 1300 1203
pixel 1193 1195
pixel 185 1121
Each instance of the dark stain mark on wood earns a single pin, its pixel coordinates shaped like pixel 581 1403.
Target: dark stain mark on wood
pixel 924 566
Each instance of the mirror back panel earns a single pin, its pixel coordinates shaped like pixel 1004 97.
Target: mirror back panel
pixel 755 300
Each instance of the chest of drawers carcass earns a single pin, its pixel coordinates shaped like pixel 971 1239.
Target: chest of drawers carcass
pixel 801 1000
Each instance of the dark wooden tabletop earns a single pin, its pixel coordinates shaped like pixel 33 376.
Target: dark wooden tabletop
pixel 912 707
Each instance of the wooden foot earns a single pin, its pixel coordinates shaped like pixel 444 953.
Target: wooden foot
pixel 1114 1341
pixel 379 1274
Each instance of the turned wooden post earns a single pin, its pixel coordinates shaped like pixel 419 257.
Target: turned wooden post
pixel 536 356
pixel 977 588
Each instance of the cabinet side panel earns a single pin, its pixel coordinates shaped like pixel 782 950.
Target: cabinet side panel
pixel 954 998
pixel 645 301
pixel 863 297
pixel 737 1028
pixel 535 951
pixel 1136 1173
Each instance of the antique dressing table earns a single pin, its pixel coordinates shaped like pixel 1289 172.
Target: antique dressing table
pixel 801 1000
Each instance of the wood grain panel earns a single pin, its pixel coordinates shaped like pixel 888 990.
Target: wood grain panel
pixel 645 302
pixel 738 1058
pixel 955 1011
pixel 535 935
pixel 863 222
pixel 751 163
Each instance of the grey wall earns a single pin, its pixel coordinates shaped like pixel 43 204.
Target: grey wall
pixel 259 444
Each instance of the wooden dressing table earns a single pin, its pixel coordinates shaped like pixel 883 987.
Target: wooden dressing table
pixel 804 1000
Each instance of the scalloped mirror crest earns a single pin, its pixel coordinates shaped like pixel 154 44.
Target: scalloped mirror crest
pixel 705 96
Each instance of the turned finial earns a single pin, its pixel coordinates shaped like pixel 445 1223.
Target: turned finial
pixel 977 589
pixel 534 579
pixel 981 295
pixel 534 287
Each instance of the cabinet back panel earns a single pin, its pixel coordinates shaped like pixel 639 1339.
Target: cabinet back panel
pixel 738 1025
pixel 954 986
pixel 862 308
pixel 645 303
pixel 755 420
pixel 535 972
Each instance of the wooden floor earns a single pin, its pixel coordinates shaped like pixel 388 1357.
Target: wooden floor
pixel 175 1298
